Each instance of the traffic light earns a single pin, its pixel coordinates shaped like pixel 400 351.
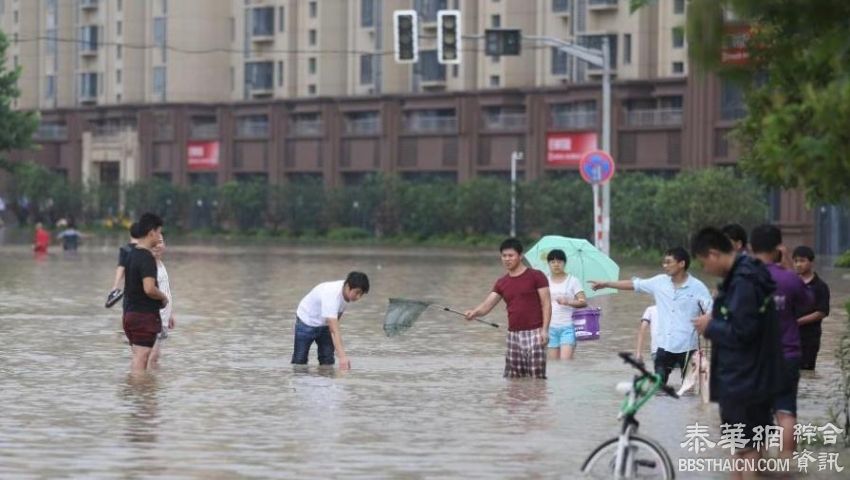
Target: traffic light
pixel 502 41
pixel 448 36
pixel 406 36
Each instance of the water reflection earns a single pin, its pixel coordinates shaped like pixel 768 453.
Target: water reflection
pixel 139 396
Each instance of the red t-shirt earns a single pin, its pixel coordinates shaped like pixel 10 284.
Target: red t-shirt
pixel 522 299
pixel 42 240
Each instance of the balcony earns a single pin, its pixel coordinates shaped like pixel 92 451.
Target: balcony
pixel 561 8
pixel 204 131
pixel 88 4
pixel 602 4
pixel 574 120
pixel 505 121
pixel 88 87
pixel 51 131
pixel 429 124
pixel 654 117
pixel 366 125
pixel 262 25
pixel 259 78
pixel 253 126
pixel 307 127
pixel 88 40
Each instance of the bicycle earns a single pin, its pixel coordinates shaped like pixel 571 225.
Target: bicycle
pixel 630 455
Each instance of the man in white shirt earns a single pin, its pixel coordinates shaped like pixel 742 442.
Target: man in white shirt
pixel 318 315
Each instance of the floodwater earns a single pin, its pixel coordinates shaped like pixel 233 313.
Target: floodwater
pixel 226 403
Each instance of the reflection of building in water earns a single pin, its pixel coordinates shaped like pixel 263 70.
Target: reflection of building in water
pixel 139 394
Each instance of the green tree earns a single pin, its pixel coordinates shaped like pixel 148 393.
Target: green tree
pixel 16 127
pixel 797 88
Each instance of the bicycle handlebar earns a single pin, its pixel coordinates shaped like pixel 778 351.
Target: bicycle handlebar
pixel 628 358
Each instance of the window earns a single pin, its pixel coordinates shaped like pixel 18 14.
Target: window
pixel 281 19
pixel 159 81
pixel 560 62
pixel 573 115
pixel 595 42
pixel 50 87
pixel 678 37
pixel 52 41
pixel 560 5
pixel 88 86
pixel 118 52
pixel 426 121
pixel 119 5
pixel 494 80
pixel 118 76
pixel 366 74
pixel 678 6
pixel 314 9
pixel 732 105
pixel 279 74
pixel 259 75
pixel 455 71
pixel 627 48
pixel 678 67
pixel 312 37
pixel 252 126
pixel 428 9
pixel 119 28
pixel 306 124
pixel 495 21
pixel 311 89
pixel 363 122
pixel 311 65
pixel 262 21
pixel 367 13
pixel 159 34
pixel 88 38
pixel 430 69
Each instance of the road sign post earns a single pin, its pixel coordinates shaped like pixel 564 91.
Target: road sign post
pixel 597 168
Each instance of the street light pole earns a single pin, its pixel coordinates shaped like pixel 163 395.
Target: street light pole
pixel 515 157
pixel 604 240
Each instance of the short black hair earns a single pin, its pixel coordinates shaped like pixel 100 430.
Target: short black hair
pixel 147 222
pixel 736 233
pixel 710 238
pixel 804 251
pixel 511 244
pixel 765 238
pixel 358 280
pixel 134 230
pixel 680 255
pixel 557 254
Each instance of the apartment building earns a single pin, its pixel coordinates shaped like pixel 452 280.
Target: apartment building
pixel 106 52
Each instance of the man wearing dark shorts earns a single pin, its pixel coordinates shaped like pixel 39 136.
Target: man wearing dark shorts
pixel 526 294
pixel 810 323
pixel 144 299
pixel 746 361
pixel 790 298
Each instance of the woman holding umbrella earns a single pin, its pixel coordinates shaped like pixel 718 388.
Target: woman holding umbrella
pixel 567 295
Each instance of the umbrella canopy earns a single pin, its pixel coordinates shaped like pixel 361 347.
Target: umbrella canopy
pixel 584 261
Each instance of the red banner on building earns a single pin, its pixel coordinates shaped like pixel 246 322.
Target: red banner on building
pixel 202 155
pixel 567 148
pixel 735 50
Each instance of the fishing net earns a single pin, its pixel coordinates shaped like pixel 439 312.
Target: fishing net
pixel 401 313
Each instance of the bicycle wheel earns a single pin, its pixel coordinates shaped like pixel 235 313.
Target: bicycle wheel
pixel 647 460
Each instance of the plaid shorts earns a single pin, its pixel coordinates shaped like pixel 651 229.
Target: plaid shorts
pixel 525 355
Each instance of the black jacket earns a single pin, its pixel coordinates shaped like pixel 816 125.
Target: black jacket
pixel 746 360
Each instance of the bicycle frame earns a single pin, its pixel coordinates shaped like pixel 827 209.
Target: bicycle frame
pixel 643 388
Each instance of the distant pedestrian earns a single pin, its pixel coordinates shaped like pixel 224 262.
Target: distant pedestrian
pixel 526 294
pixel 746 358
pixel 41 241
pixel 70 237
pixel 811 323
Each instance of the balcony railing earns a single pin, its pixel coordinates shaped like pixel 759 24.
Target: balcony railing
pixel 654 117
pixel 505 121
pixel 602 4
pixel 413 124
pixel 252 128
pixel 363 126
pixel 204 131
pixel 573 120
pixel 307 128
pixel 51 131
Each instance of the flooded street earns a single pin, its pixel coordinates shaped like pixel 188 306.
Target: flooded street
pixel 226 402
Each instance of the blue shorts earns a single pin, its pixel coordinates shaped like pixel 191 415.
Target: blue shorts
pixel 562 335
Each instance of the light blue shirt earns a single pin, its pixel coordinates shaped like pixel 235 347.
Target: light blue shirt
pixel 677 307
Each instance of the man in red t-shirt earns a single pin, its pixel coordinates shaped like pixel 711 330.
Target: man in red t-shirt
pixel 526 295
pixel 42 239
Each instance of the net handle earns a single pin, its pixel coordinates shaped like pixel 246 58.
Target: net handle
pixel 449 309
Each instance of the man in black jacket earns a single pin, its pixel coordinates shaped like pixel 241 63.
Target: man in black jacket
pixel 746 361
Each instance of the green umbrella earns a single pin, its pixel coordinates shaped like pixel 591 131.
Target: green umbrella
pixel 584 261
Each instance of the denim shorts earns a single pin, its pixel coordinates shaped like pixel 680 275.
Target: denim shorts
pixel 562 335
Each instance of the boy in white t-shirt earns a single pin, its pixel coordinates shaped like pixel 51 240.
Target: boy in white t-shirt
pixel 567 294
pixel 649 321
pixel 318 315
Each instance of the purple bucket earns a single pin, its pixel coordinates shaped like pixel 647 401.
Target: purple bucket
pixel 586 321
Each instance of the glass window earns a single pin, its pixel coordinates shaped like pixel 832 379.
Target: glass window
pixel 252 126
pixel 159 81
pixel 366 74
pixel 312 37
pixel 494 80
pixel 560 5
pixel 159 35
pixel 495 21
pixel 259 75
pixel 262 21
pixel 678 37
pixel 430 68
pixel 311 65
pixel 50 87
pixel 627 48
pixel 678 6
pixel 367 13
pixel 678 67
pixel 119 28
pixel 281 19
pixel 560 61
pixel 314 9
pixel 279 74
